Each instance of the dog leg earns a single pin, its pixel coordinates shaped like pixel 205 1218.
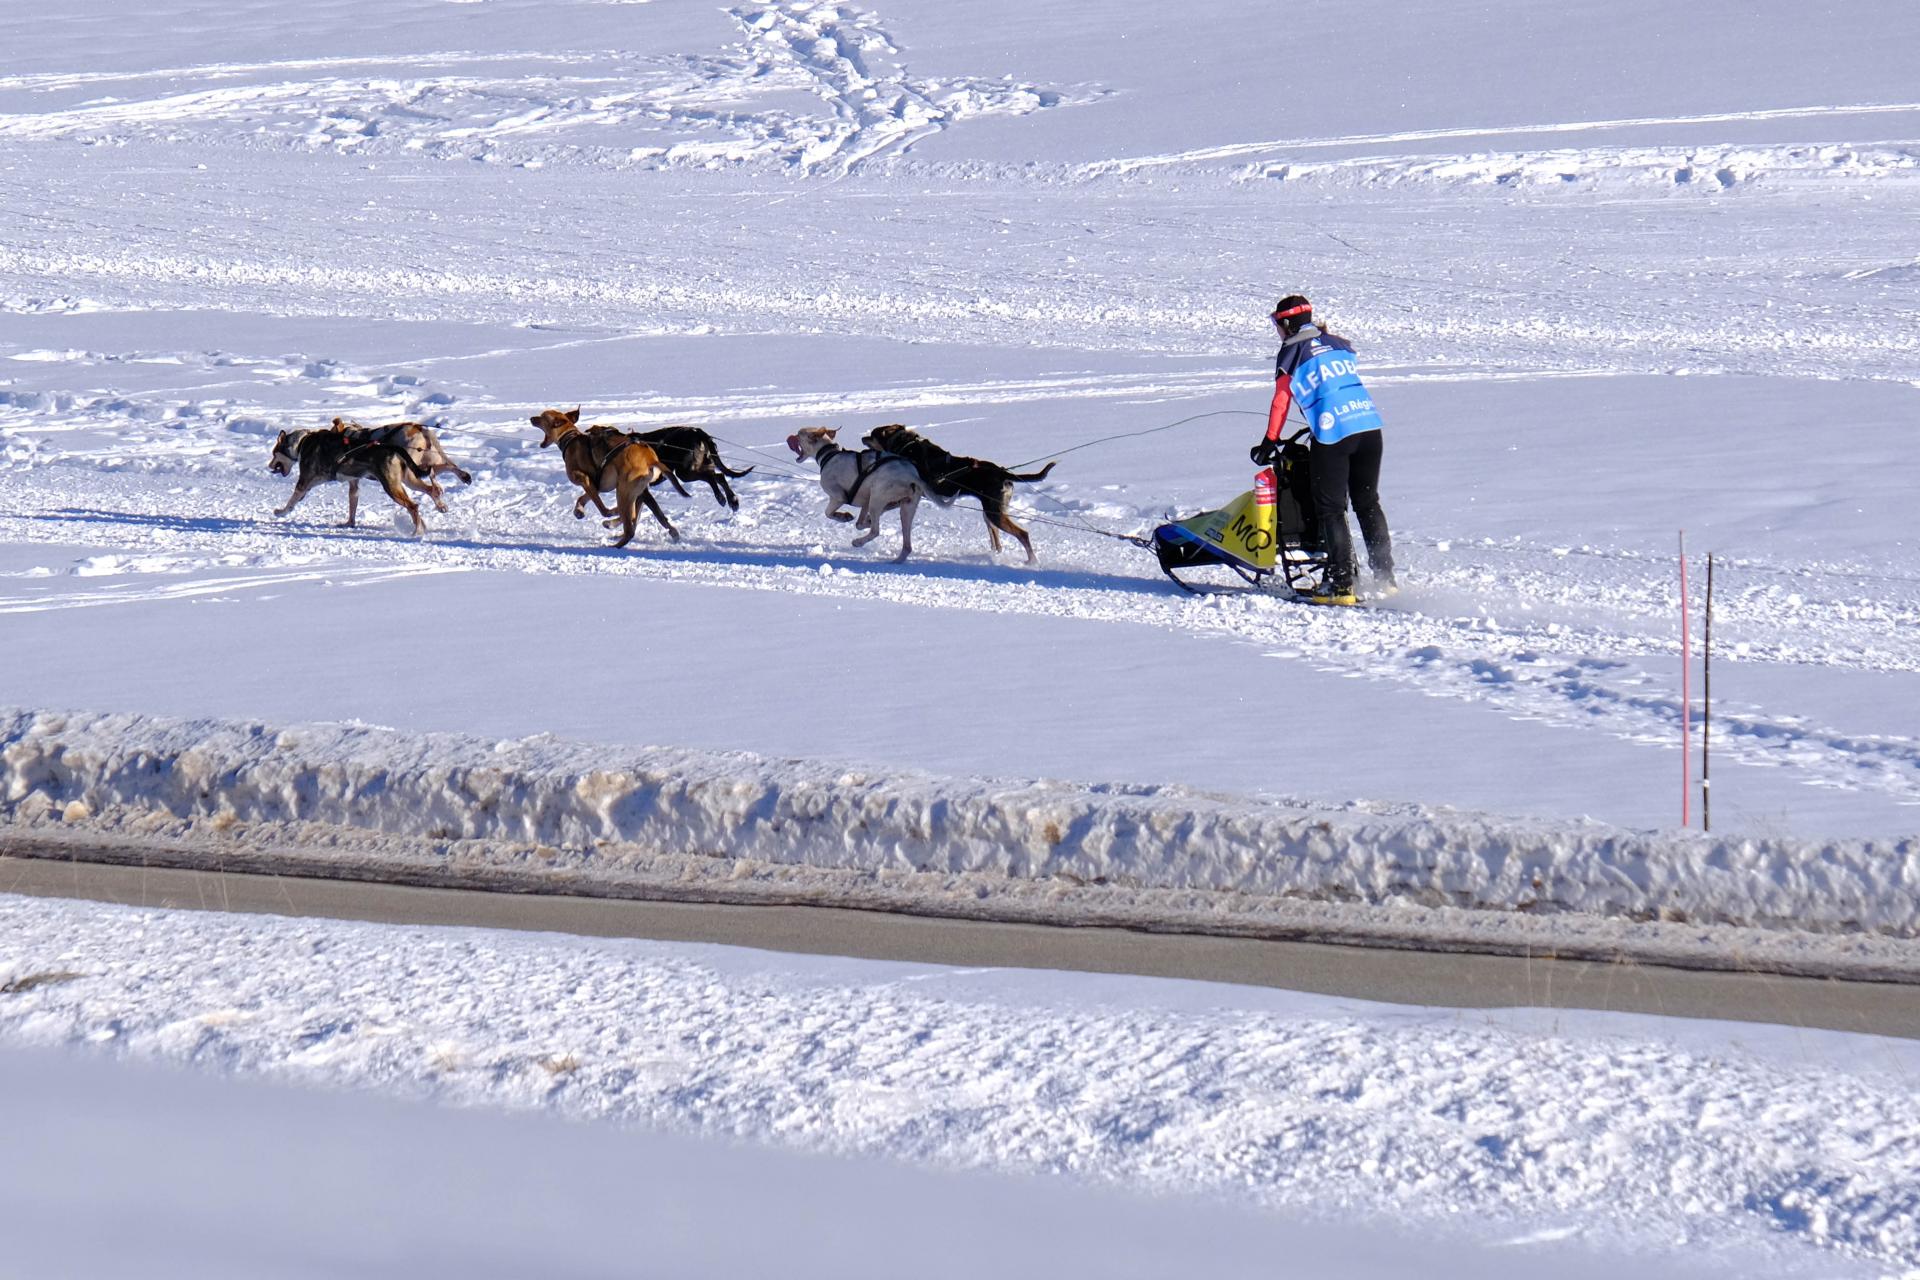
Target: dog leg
pixel 1006 522
pixel 629 517
pixel 993 536
pixel 678 488
pixel 353 501
pixel 653 505
pixel 907 509
pixel 390 481
pixel 592 495
pixel 300 489
pixel 426 486
pixel 871 526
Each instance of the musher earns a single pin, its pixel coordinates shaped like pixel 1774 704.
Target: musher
pixel 1320 369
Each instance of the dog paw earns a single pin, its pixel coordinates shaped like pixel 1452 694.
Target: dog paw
pixel 841 516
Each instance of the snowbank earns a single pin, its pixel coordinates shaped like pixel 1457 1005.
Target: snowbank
pixel 596 817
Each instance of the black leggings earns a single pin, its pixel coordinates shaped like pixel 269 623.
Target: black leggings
pixel 1350 468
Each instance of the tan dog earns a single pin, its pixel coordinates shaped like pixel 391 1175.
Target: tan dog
pixel 602 460
pixel 422 444
pixel 876 482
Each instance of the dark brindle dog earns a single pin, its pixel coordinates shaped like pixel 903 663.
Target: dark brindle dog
pixel 950 476
pixel 333 454
pixel 688 453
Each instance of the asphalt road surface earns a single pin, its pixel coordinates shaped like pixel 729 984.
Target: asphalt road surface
pixel 1370 973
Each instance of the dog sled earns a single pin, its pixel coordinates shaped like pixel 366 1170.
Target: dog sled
pixel 1266 535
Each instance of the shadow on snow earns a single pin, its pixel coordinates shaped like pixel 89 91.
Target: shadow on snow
pixel 719 554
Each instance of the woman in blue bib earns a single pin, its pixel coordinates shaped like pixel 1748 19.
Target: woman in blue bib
pixel 1319 371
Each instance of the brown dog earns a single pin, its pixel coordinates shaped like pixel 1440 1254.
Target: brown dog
pixel 600 460
pixel 949 476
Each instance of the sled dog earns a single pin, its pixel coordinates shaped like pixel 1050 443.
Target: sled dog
pixel 876 482
pixel 333 454
pixel 416 439
pixel 688 453
pixel 948 477
pixel 601 460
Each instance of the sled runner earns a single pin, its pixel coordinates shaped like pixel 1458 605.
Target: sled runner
pixel 1263 534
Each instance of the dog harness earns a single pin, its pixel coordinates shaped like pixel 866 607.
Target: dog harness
pixel 600 464
pixel 861 468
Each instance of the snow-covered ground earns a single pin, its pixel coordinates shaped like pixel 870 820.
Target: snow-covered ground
pixel 302 1183
pixel 1609 293
pixel 1615 270
pixel 1505 1143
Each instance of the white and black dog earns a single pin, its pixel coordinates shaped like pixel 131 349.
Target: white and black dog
pixel 873 481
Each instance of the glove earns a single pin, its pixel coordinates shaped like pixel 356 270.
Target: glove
pixel 1264 454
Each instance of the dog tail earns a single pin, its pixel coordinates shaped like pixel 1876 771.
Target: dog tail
pixel 728 472
pixel 1032 476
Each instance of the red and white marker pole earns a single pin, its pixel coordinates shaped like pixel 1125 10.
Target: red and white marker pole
pixel 1706 710
pixel 1686 694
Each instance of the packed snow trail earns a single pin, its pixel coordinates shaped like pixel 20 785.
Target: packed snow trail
pixel 1582 640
